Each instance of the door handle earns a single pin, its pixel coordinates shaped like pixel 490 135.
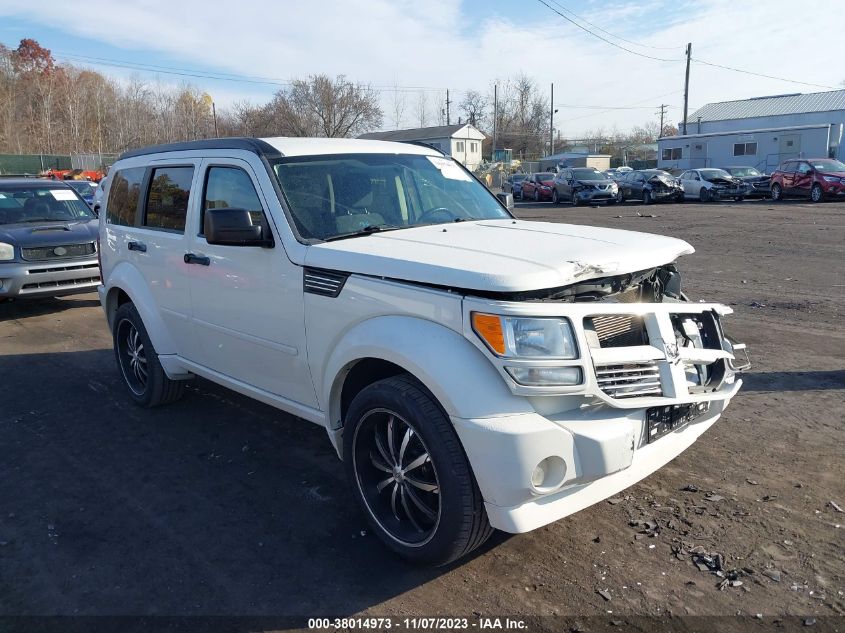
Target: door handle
pixel 190 258
pixel 137 246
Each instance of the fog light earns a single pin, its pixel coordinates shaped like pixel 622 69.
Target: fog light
pixel 546 376
pixel 548 475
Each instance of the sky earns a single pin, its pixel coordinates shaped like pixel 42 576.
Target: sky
pixel 248 50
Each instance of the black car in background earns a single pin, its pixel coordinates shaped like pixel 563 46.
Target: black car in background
pixel 758 185
pixel 650 185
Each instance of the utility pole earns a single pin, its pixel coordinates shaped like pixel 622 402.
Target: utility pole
pixel 495 119
pixel 214 114
pixel 663 107
pixel 447 107
pixel 552 122
pixel 686 88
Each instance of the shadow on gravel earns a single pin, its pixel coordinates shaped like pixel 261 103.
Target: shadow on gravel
pixel 794 380
pixel 215 505
pixel 21 308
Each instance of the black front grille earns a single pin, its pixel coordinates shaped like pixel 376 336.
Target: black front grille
pixel 618 330
pixel 63 251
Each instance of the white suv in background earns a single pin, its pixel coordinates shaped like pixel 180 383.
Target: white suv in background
pixel 473 371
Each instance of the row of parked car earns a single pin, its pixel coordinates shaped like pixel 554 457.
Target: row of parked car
pixel 817 179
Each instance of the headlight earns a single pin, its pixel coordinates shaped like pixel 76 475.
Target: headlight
pixel 526 337
pixel 7 252
pixel 832 179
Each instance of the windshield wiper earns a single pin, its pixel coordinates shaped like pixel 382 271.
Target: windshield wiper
pixel 365 230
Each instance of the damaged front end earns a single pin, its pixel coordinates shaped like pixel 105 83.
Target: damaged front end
pixel 725 188
pixel 663 188
pixel 643 343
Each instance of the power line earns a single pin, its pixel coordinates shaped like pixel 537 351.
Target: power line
pixel 604 39
pixel 214 75
pixel 749 72
pixel 595 107
pixel 618 37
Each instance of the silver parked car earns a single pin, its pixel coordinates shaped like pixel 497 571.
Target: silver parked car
pixel 48 240
pixel 711 184
pixel 583 185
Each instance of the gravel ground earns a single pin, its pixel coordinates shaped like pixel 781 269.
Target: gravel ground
pixel 219 505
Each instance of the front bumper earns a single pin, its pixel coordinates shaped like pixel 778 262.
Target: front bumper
pixel 667 194
pixel 605 452
pixel 593 436
pixel 49 279
pixel 596 195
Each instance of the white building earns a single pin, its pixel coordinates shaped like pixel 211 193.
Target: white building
pixel 759 132
pixel 462 141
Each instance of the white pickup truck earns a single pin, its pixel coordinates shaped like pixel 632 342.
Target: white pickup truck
pixel 474 371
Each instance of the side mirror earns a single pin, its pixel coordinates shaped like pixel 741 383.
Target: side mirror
pixel 506 199
pixel 234 227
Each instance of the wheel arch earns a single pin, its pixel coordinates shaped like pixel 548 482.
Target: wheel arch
pixel 126 284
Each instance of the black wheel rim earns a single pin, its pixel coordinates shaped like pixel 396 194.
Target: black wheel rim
pixel 132 355
pixel 396 477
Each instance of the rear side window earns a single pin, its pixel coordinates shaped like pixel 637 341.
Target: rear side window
pixel 124 194
pixel 167 202
pixel 230 188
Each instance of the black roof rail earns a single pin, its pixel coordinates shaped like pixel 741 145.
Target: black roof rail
pixel 254 145
pixel 424 144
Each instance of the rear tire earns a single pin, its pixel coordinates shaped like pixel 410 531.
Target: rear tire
pixel 816 193
pixel 137 359
pixel 777 192
pixel 410 475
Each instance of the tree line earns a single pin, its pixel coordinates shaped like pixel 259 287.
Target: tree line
pixel 52 108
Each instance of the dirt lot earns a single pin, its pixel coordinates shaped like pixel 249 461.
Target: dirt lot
pixel 219 505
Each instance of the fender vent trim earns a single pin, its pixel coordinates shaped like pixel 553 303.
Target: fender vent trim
pixel 327 283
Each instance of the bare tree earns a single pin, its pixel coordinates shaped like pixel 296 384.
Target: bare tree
pixel 422 108
pixel 321 106
pixel 474 106
pixel 397 109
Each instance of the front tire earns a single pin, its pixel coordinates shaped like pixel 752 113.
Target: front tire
pixel 554 197
pixel 536 195
pixel 704 195
pixel 816 193
pixel 777 192
pixel 410 475
pixel 647 196
pixel 142 372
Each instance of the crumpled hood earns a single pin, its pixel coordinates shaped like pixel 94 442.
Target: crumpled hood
pixel 666 180
pixel 498 255
pixel 31 234
pixel 597 183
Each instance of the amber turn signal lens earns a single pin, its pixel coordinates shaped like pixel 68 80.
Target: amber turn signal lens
pixel 489 328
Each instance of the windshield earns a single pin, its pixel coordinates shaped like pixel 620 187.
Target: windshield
pixel 20 204
pixel 828 165
pixel 588 174
pixel 710 174
pixel 545 176
pixel 518 177
pixel 336 195
pixel 743 172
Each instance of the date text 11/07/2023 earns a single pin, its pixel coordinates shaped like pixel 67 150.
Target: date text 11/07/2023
pixel 417 624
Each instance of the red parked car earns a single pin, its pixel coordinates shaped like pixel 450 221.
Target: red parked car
pixel 538 186
pixel 816 178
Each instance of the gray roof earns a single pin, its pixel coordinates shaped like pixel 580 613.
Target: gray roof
pixel 565 155
pixel 415 134
pixel 771 106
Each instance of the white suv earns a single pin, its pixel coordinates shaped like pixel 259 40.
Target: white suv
pixel 473 371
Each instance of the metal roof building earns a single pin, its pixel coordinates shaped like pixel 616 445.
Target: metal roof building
pixel 760 132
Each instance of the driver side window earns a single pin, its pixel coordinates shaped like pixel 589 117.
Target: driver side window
pixel 231 188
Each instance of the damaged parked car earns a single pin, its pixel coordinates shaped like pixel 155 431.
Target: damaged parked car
pixel 650 185
pixel 537 186
pixel 472 370
pixel 757 183
pixel 583 185
pixel 710 184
